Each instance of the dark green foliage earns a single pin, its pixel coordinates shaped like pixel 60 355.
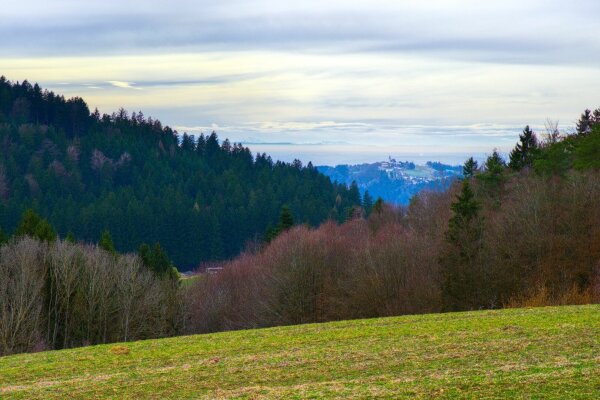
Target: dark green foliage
pixel 587 151
pixel 378 206
pixel 367 203
pixel 35 226
pixel 106 242
pixel 555 159
pixel 470 168
pixel 201 200
pixel 70 238
pixel 461 269
pixel 286 219
pixel 157 260
pixel 354 194
pixel 3 237
pixel 494 165
pixel 270 234
pixel 523 154
pixel 493 173
pixel 584 125
pixel 465 210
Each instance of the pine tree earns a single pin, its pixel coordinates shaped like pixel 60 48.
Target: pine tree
pixel 156 260
pixel 354 194
pixel 187 142
pixel 461 273
pixel 470 168
pixel 584 125
pixel 524 152
pixel 70 237
pixel 106 242
pixel 367 203
pixel 493 171
pixel 286 219
pixel 33 225
pixel 465 210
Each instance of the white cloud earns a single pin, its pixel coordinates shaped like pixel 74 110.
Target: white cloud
pixel 123 85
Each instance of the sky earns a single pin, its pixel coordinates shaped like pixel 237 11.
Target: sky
pixel 327 81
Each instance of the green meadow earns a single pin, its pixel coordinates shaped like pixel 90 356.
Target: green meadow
pixel 536 353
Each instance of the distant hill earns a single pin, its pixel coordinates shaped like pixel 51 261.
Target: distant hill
pixel 545 353
pixel 395 181
pixel 200 198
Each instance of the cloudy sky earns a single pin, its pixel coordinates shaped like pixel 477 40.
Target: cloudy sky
pixel 330 81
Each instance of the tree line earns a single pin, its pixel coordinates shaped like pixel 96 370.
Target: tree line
pixel 200 198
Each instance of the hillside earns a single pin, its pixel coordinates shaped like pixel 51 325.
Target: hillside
pixel 200 198
pixel 532 353
pixel 395 181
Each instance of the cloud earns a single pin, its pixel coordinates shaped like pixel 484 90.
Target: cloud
pixel 124 85
pixel 509 31
pixel 436 73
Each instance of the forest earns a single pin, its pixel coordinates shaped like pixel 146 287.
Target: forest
pixel 520 232
pixel 201 199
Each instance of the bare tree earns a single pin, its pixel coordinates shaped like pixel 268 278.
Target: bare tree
pixel 22 268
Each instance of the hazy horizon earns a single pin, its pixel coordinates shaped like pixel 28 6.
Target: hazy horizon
pixel 443 77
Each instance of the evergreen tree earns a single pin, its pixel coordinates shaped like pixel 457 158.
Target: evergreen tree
pixel 354 194
pixel 523 154
pixel 584 125
pixel 157 260
pixel 286 219
pixel 378 206
pixel 470 168
pixel 106 242
pixel 493 173
pixel 3 237
pixel 187 142
pixel 35 226
pixel 367 203
pixel 70 237
pixel 270 234
pixel 461 272
pixel 465 210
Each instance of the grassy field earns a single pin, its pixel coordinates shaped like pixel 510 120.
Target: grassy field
pixel 517 353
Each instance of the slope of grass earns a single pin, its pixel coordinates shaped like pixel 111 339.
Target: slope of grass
pixel 524 353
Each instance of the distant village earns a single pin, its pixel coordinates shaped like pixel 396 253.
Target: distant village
pixel 411 173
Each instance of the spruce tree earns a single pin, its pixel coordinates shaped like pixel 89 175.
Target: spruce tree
pixel 470 168
pixel 106 242
pixel 461 269
pixel 524 152
pixel 367 203
pixel 465 210
pixel 354 194
pixel 70 238
pixel 584 125
pixel 493 171
pixel 33 225
pixel 286 219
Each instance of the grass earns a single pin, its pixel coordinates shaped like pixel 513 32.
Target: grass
pixel 517 353
pixel 189 280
